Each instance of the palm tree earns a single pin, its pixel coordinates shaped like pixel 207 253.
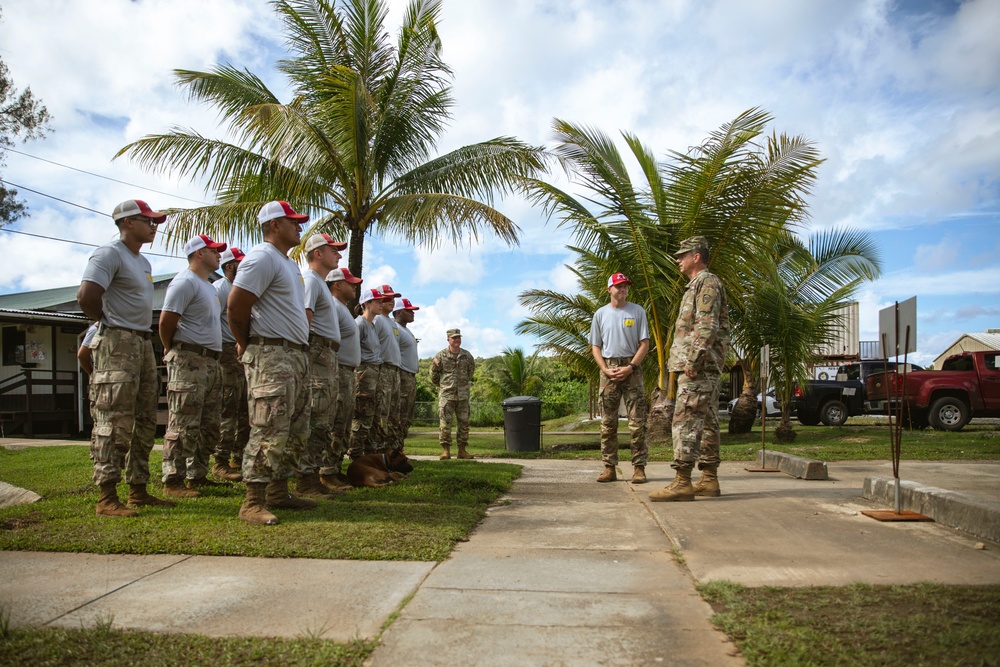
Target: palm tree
pixel 517 375
pixel 353 146
pixel 738 194
pixel 792 304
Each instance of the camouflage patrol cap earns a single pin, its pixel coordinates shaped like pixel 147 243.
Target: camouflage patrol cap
pixel 454 333
pixel 692 243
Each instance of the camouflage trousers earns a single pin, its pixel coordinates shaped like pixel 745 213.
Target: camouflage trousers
pixel 611 393
pixel 365 405
pixel 322 408
pixel 453 408
pixel 696 421
pixel 388 405
pixel 235 421
pixel 278 389
pixel 194 404
pixel 334 460
pixel 125 387
pixel 401 419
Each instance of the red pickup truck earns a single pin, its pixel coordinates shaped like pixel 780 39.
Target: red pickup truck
pixel 967 386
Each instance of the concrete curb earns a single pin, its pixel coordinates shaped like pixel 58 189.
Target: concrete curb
pixel 796 466
pixel 973 515
pixel 11 495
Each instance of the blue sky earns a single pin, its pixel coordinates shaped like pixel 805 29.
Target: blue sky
pixel 901 98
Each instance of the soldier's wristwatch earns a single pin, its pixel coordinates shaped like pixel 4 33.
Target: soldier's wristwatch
pixel 635 367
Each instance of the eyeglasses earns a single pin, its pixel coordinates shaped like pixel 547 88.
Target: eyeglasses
pixel 148 221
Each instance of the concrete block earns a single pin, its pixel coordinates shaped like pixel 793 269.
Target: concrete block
pixel 11 495
pixel 796 466
pixel 976 516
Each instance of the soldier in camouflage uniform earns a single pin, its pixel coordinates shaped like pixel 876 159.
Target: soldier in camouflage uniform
pixel 343 287
pixel 451 372
pixel 701 340
pixel 235 423
pixel 267 315
pixel 117 292
pixel 403 314
pixel 323 255
pixel 388 379
pixel 192 344
pixel 619 341
pixel 366 376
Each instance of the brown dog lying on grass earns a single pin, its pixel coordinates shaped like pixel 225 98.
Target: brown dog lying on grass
pixel 378 469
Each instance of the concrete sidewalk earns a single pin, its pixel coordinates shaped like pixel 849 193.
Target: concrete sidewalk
pixel 564 571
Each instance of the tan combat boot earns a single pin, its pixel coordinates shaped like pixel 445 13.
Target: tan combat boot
pixel 310 486
pixel 681 489
pixel 337 482
pixel 253 510
pixel 139 497
pixel 174 487
pixel 445 452
pixel 609 475
pixel 108 503
pixel 222 470
pixel 277 496
pixel 708 485
pixel 639 475
pixel 463 454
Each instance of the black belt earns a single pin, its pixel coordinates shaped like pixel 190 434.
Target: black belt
pixel 320 340
pixel 197 349
pixel 278 342
pixel 148 335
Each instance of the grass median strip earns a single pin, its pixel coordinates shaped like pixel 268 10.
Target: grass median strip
pixel 106 647
pixel 420 518
pixel 920 624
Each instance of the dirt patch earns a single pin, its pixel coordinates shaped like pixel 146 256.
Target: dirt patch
pixel 20 522
pixel 859 441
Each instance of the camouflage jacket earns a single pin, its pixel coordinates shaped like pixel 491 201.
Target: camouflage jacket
pixel 701 336
pixel 452 373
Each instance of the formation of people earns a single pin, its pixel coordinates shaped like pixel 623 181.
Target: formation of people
pixel 268 372
pixel 619 340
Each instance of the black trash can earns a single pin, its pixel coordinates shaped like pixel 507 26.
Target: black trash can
pixel 522 423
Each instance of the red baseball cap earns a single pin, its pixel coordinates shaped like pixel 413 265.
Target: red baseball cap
pixel 403 304
pixel 342 273
pixel 137 207
pixel 618 279
pixel 279 209
pixel 370 295
pixel 232 254
pixel 319 240
pixel 388 291
pixel 200 241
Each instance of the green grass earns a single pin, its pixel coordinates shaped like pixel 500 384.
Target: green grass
pixel 420 518
pixel 861 440
pixel 921 624
pixel 102 646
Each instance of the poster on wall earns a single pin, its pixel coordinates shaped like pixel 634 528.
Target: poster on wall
pixel 36 351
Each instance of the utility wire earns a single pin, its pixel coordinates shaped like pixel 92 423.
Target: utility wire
pixel 85 208
pixel 89 245
pixel 107 178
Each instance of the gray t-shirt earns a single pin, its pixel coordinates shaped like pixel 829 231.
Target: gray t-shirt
pixel 275 280
pixel 368 337
pixel 388 339
pixel 222 288
pixel 618 331
pixel 127 280
pixel 197 302
pixel 325 321
pixel 89 334
pixel 407 349
pixel 349 353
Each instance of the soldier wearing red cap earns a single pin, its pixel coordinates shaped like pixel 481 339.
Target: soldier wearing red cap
pixel 619 341
pixel 267 315
pixel 402 312
pixel 192 344
pixel 367 374
pixel 388 379
pixel 117 292
pixel 234 424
